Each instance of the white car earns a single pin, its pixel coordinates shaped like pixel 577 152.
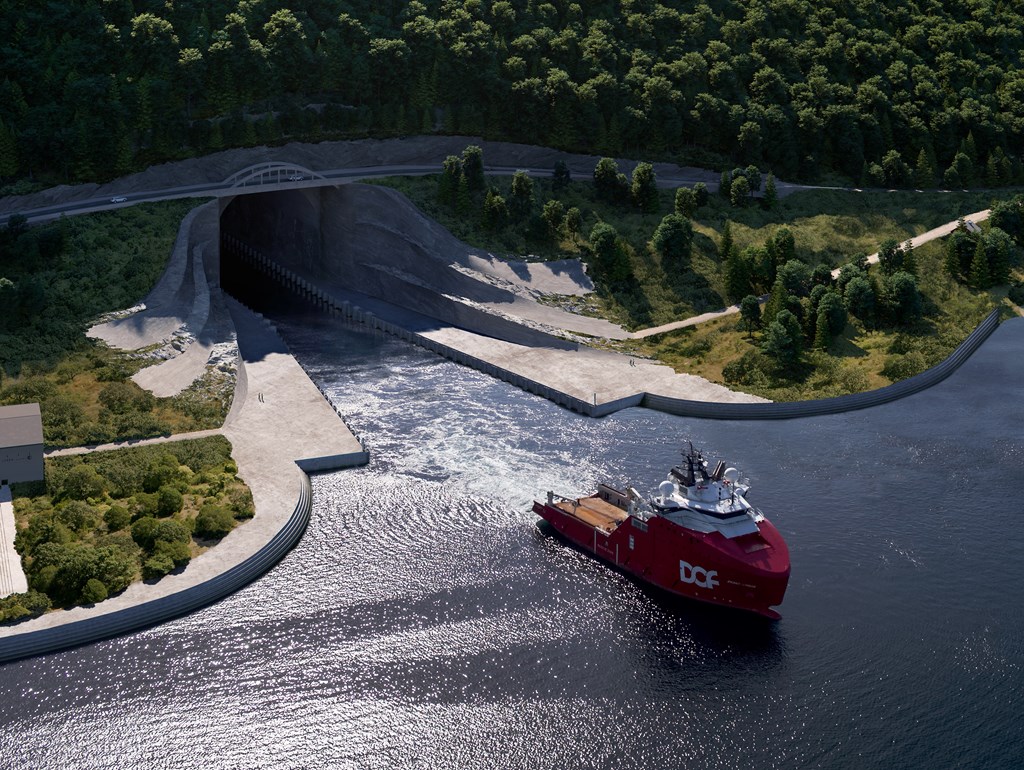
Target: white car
pixel 119 199
pixel 295 178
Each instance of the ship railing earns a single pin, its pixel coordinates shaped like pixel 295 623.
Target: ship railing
pixel 552 497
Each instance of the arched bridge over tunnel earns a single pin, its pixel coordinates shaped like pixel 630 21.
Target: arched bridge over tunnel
pixel 271 173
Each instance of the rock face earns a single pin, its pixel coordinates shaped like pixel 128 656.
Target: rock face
pixel 371 239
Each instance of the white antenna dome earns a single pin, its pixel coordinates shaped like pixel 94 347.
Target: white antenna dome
pixel 666 488
pixel 731 474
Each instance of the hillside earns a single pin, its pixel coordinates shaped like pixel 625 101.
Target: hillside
pixel 882 92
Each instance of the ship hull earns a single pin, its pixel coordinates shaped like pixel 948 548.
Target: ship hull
pixel 750 573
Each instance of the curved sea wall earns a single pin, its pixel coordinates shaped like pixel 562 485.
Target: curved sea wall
pixel 168 607
pixel 792 409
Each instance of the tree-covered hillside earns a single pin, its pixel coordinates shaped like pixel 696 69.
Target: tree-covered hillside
pixel 894 92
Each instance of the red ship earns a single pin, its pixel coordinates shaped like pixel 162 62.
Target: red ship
pixel 698 537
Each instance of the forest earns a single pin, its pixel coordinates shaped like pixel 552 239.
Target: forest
pixel 888 93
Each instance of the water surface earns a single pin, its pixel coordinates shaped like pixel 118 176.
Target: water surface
pixel 426 620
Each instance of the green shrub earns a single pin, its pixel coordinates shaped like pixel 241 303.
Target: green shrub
pixel 144 532
pixel 24 606
pixel 146 504
pixel 42 528
pixel 176 551
pixel 173 531
pixel 241 502
pixel 901 367
pixel 169 501
pixel 163 470
pixel 1016 293
pixel 117 517
pixel 76 515
pixel 157 566
pixel 81 483
pixel 214 522
pixel 749 369
pixel 116 566
pixel 93 592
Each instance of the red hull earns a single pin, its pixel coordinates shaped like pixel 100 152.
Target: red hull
pixel 750 572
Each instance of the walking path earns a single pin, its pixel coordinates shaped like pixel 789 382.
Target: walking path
pixel 12 576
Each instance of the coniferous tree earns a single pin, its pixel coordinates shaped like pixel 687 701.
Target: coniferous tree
pixel 776 301
pixel 822 335
pixel 473 167
pixel 750 312
pixel 561 176
pixel 522 194
pixel 606 174
pixel 644 188
pixel 725 185
pixel 924 171
pixel 462 198
pixel 771 195
pixel 685 202
pixel 8 152
pixel 573 223
pixel 997 247
pixel 739 192
pixel 979 276
pixel 553 215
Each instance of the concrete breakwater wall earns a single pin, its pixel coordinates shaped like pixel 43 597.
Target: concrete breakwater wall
pixel 307 291
pixel 175 605
pixel 792 409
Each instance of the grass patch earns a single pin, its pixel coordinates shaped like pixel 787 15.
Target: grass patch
pixel 59 278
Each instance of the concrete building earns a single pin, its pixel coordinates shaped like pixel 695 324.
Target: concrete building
pixel 21 444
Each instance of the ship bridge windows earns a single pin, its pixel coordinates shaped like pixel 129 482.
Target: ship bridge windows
pixel 638 525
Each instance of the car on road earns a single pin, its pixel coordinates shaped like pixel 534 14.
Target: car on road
pixel 118 199
pixel 296 178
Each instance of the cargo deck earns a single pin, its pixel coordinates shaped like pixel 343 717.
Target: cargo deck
pixel 595 512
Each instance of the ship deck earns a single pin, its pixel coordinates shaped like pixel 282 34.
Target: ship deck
pixel 595 512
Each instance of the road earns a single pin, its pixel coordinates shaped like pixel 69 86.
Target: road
pixel 348 175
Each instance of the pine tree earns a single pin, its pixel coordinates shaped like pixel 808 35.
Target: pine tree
pixel 448 182
pixel 776 301
pixel 473 167
pixel 726 246
pixel 909 260
pixel 8 152
pixel 951 261
pixel 573 223
pixel 924 171
pixel 462 199
pixel 725 185
pixel 737 276
pixel 997 247
pixel 644 188
pixel 750 312
pixel 739 192
pixel 822 337
pixel 685 202
pixel 979 276
pixel 771 195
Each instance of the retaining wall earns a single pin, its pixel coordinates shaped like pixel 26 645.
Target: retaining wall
pixel 789 410
pixel 705 409
pixel 150 613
